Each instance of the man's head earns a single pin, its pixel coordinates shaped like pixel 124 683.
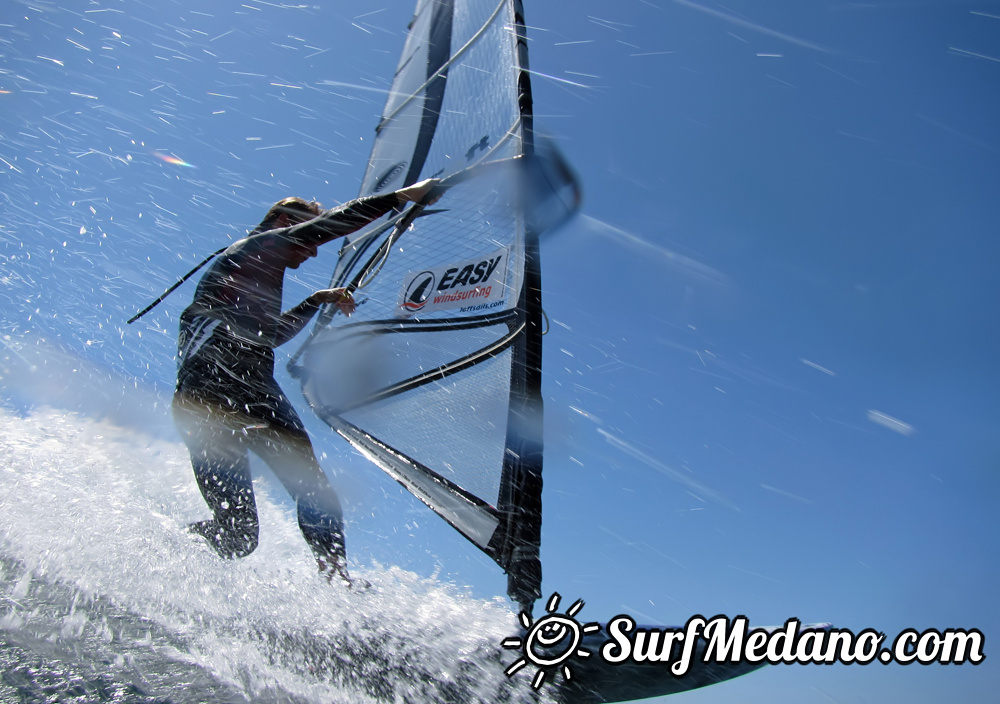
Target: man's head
pixel 290 211
pixel 286 213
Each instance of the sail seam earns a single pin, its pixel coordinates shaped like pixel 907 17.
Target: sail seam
pixel 392 326
pixel 436 374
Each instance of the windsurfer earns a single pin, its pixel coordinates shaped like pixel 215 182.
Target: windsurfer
pixel 227 401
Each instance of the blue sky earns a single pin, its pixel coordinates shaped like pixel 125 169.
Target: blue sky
pixel 771 380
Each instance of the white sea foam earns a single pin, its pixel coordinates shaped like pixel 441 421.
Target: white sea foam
pixel 100 511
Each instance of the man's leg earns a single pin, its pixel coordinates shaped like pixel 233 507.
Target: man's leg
pixel 285 446
pixel 290 456
pixel 222 470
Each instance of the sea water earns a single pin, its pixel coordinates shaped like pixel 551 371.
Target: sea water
pixel 104 596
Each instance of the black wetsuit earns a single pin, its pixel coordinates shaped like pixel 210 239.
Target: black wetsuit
pixel 227 400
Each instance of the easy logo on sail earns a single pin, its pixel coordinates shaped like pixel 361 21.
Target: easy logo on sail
pixel 481 280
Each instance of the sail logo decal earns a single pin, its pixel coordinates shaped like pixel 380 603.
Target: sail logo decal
pixel 483 144
pixel 419 291
pixel 480 281
pixel 389 176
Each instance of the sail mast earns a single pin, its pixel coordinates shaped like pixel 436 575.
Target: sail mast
pixel 522 506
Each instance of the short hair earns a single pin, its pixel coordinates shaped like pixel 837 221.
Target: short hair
pixel 291 206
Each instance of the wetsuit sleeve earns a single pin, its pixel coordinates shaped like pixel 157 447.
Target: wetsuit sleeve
pixel 343 220
pixel 293 320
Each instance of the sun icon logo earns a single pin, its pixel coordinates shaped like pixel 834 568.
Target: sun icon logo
pixel 550 642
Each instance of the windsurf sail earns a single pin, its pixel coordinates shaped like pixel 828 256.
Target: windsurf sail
pixel 437 376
